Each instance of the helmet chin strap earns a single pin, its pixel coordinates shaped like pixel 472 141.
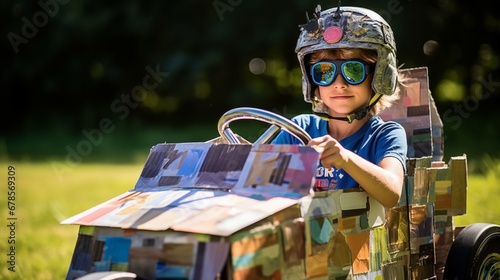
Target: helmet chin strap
pixel 356 115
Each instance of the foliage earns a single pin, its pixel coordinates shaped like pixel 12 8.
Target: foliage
pixel 70 64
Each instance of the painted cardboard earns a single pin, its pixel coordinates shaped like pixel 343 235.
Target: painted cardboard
pixel 204 210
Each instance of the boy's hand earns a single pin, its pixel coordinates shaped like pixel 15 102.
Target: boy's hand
pixel 331 152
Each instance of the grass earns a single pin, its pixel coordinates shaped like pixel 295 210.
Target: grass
pixel 45 197
pixel 482 194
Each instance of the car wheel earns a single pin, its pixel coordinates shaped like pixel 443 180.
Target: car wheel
pixel 475 253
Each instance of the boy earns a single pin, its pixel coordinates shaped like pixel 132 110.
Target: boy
pixel 348 61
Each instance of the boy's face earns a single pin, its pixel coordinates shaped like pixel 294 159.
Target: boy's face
pixel 343 98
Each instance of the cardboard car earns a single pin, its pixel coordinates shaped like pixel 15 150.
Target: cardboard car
pixel 229 209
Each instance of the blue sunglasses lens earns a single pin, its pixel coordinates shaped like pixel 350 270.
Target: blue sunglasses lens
pixel 353 72
pixel 323 73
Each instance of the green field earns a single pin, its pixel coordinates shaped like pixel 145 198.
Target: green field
pixel 43 199
pixel 45 196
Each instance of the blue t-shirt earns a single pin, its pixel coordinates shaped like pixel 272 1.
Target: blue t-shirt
pixel 375 140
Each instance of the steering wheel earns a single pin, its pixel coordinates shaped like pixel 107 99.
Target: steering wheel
pixel 277 122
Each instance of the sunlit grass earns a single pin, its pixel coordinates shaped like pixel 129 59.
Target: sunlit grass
pixel 43 199
pixel 482 195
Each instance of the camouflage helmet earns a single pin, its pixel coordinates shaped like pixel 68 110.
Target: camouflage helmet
pixel 349 27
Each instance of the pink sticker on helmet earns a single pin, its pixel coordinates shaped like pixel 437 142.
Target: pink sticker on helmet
pixel 332 34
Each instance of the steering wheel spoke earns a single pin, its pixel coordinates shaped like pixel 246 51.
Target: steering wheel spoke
pixel 277 122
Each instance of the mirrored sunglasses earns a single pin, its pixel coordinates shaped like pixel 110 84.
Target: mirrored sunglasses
pixel 354 71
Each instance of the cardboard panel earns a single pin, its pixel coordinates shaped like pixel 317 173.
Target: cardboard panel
pixel 412 111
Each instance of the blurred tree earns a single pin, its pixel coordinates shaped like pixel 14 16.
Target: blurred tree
pixel 67 65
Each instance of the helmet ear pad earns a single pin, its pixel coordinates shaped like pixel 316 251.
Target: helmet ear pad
pixel 361 29
pixel 385 77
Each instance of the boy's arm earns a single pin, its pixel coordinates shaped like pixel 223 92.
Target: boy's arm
pixel 383 181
